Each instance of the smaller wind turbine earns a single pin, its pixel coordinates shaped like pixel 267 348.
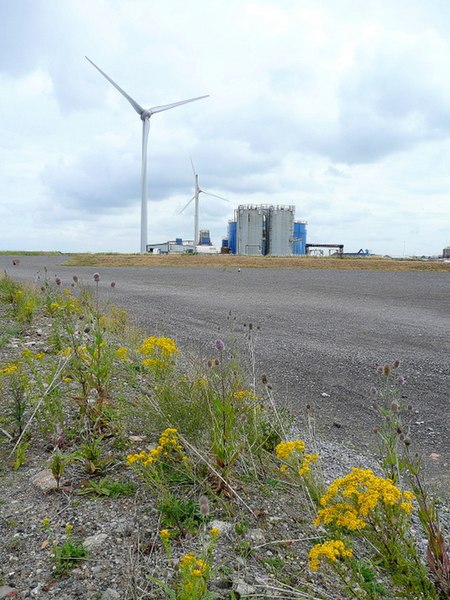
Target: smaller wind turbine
pixel 195 197
pixel 145 115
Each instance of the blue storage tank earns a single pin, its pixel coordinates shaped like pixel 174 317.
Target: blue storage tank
pixel 232 236
pixel 299 245
pixel 224 242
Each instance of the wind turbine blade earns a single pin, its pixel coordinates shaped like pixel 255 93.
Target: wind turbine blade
pixel 137 107
pixel 180 211
pixel 215 195
pixel 192 163
pixel 157 109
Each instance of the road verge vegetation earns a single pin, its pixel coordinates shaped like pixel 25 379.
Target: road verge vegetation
pixel 217 491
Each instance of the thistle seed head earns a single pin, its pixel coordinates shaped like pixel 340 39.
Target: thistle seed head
pixel 204 505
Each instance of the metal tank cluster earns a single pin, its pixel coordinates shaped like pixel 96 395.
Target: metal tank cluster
pixel 260 230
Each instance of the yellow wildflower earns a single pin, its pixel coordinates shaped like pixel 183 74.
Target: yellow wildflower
pixel 162 345
pixel 121 353
pixel 153 363
pixel 284 449
pixel 331 550
pixel 187 559
pixel 165 534
pixel 9 369
pixel 214 531
pixel 245 395
pixel 305 466
pixel 351 499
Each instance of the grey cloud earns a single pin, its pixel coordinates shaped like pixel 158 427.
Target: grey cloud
pixel 392 99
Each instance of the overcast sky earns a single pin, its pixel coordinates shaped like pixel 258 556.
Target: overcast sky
pixel 339 107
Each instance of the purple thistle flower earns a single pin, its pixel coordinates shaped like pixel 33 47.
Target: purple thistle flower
pixel 401 379
pixel 58 281
pixel 96 277
pixel 220 345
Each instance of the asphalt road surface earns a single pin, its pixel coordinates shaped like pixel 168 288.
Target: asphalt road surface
pixel 322 334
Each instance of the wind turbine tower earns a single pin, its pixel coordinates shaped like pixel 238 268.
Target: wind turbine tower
pixel 195 197
pixel 145 115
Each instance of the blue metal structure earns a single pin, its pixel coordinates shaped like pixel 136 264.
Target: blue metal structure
pixel 232 236
pixel 299 245
pixel 204 239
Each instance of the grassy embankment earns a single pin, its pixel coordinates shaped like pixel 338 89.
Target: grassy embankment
pixel 224 261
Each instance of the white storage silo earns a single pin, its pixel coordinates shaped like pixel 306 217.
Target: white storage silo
pixel 281 230
pixel 250 230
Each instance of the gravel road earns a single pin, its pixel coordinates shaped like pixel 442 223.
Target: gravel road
pixel 322 335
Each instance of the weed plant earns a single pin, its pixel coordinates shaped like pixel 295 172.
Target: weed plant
pixel 66 554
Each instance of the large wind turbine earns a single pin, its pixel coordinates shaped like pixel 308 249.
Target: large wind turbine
pixel 195 197
pixel 145 115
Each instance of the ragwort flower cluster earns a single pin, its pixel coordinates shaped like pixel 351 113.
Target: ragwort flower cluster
pixel 158 351
pixel 194 574
pixel 351 501
pixel 293 454
pixel 168 446
pixel 331 550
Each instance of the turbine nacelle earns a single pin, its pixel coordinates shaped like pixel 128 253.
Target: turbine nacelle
pixel 146 114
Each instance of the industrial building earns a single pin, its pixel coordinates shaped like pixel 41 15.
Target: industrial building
pixel 180 246
pixel 260 230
